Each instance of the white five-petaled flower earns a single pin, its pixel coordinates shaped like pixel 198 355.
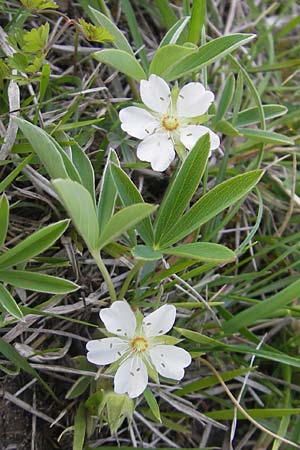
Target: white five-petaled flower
pixel 138 347
pixel 166 122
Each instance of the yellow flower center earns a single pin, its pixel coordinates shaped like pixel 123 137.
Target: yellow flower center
pixel 139 344
pixel 170 122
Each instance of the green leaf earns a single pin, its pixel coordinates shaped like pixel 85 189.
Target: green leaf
pixel 152 403
pixel 9 304
pixel 35 40
pixel 79 205
pixel 263 309
pixel 12 355
pixel 170 68
pixel 33 245
pixel 108 192
pixel 130 195
pixel 211 204
pixel 44 148
pixel 183 188
pixel 39 4
pixel 123 221
pixel 226 98
pixel 37 282
pixel 84 168
pixel 203 251
pixel 256 413
pixel 174 33
pixel 251 115
pixel 14 173
pixel 168 56
pixel 207 382
pixel 79 428
pixel 78 388
pixel 146 253
pixel 120 41
pixel 122 61
pixel 268 137
pixel 4 218
pixel 95 33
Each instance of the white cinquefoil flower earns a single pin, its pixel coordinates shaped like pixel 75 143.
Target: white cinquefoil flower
pixel 166 123
pixel 139 347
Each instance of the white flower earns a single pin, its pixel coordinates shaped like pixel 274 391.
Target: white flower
pixel 167 121
pixel 138 347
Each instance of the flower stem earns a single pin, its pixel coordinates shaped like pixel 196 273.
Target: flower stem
pixel 105 274
pixel 129 278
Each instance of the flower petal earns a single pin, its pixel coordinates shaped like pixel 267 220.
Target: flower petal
pixel 137 122
pixel 105 351
pixel 119 319
pixel 190 134
pixel 160 321
pixel 193 100
pixel 158 150
pixel 131 377
pixel 170 361
pixel 155 93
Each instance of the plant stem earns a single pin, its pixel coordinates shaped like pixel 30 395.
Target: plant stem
pixel 129 278
pixel 105 274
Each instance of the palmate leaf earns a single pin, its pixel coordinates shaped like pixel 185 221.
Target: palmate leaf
pixel 211 204
pixel 94 33
pixel 39 4
pixel 35 40
pixel 183 187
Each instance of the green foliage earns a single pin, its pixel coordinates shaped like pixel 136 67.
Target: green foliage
pixel 35 40
pixel 39 4
pixel 94 33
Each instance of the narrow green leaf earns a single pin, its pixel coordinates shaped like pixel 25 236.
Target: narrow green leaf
pixel 37 282
pixel 9 304
pixel 211 204
pixel 44 148
pixel 79 428
pixel 14 173
pixel 135 32
pixel 4 218
pixel 262 309
pixel 168 56
pixel 78 388
pixel 108 192
pixel 203 251
pixel 146 253
pixel 197 20
pixel 12 355
pixel 208 382
pixel 174 33
pixel 268 137
pixel 33 245
pixel 167 13
pixel 130 195
pixel 170 69
pixel 123 221
pixel 183 188
pixel 122 61
pixel 226 98
pixel 101 20
pixel 152 403
pixel 256 413
pixel 84 168
pixel 251 115
pixel 79 205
